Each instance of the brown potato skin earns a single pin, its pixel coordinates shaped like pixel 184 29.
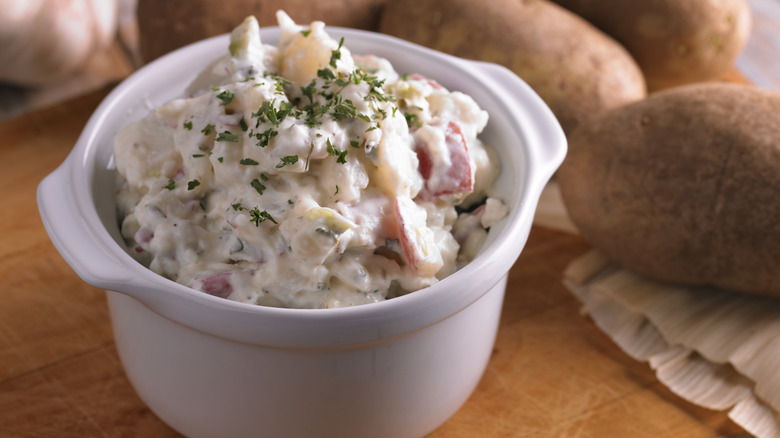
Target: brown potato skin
pixel 574 67
pixel 674 42
pixel 165 25
pixel 684 186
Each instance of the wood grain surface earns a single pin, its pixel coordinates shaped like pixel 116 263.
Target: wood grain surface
pixel 553 373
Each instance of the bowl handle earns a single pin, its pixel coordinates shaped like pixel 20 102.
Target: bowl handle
pixel 546 140
pixel 73 237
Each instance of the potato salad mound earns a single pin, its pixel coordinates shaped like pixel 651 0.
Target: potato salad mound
pixel 303 176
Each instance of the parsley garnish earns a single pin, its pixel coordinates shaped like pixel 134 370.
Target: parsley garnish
pixel 257 185
pixel 411 119
pixel 258 216
pixel 226 97
pixel 237 206
pixel 208 129
pixel 305 32
pixel 264 138
pixel 308 90
pixel 345 109
pixel 336 54
pixel 227 136
pixel 308 157
pixel 171 185
pixel 243 124
pixel 197 155
pixel 334 152
pixel 192 184
pixel 274 115
pixel 289 159
pixel 248 162
pixel 188 125
pixel 326 73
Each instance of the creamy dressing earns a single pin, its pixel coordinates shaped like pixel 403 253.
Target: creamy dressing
pixel 302 176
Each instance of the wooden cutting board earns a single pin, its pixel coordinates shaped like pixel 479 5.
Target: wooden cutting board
pixel 553 373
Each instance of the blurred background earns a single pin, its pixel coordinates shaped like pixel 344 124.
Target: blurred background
pixel 54 50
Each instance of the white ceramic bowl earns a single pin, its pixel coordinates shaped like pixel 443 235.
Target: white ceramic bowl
pixel 211 367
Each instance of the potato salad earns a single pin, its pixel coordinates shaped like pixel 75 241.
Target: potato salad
pixel 303 176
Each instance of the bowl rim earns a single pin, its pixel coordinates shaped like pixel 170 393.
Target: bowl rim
pixel 497 256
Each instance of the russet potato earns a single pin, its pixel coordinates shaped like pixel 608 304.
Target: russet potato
pixel 683 186
pixel 577 69
pixel 674 42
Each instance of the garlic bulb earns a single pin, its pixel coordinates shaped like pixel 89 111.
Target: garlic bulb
pixel 42 41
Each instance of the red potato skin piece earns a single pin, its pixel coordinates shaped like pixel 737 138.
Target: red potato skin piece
pixel 217 285
pixel 459 175
pixel 403 236
pixel 142 237
pixel 425 165
pixel 416 239
pixel 431 82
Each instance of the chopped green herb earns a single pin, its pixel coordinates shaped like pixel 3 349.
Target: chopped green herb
pixel 220 159
pixel 258 216
pixel 264 138
pixel 354 143
pixel 197 155
pixel 326 73
pixel 248 162
pixel 336 54
pixel 277 78
pixel 411 120
pixel 257 185
pixel 264 177
pixel 305 32
pixel 208 129
pixel 260 114
pixel 192 184
pixel 227 136
pixel 243 124
pixel 171 185
pixel 334 152
pixel 289 159
pixel 237 206
pixel 308 90
pixel 308 157
pixel 226 97
pixel 188 125
pixel 268 112
pixel 344 109
pixel 290 201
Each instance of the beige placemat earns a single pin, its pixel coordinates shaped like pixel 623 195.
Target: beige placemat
pixel 718 349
